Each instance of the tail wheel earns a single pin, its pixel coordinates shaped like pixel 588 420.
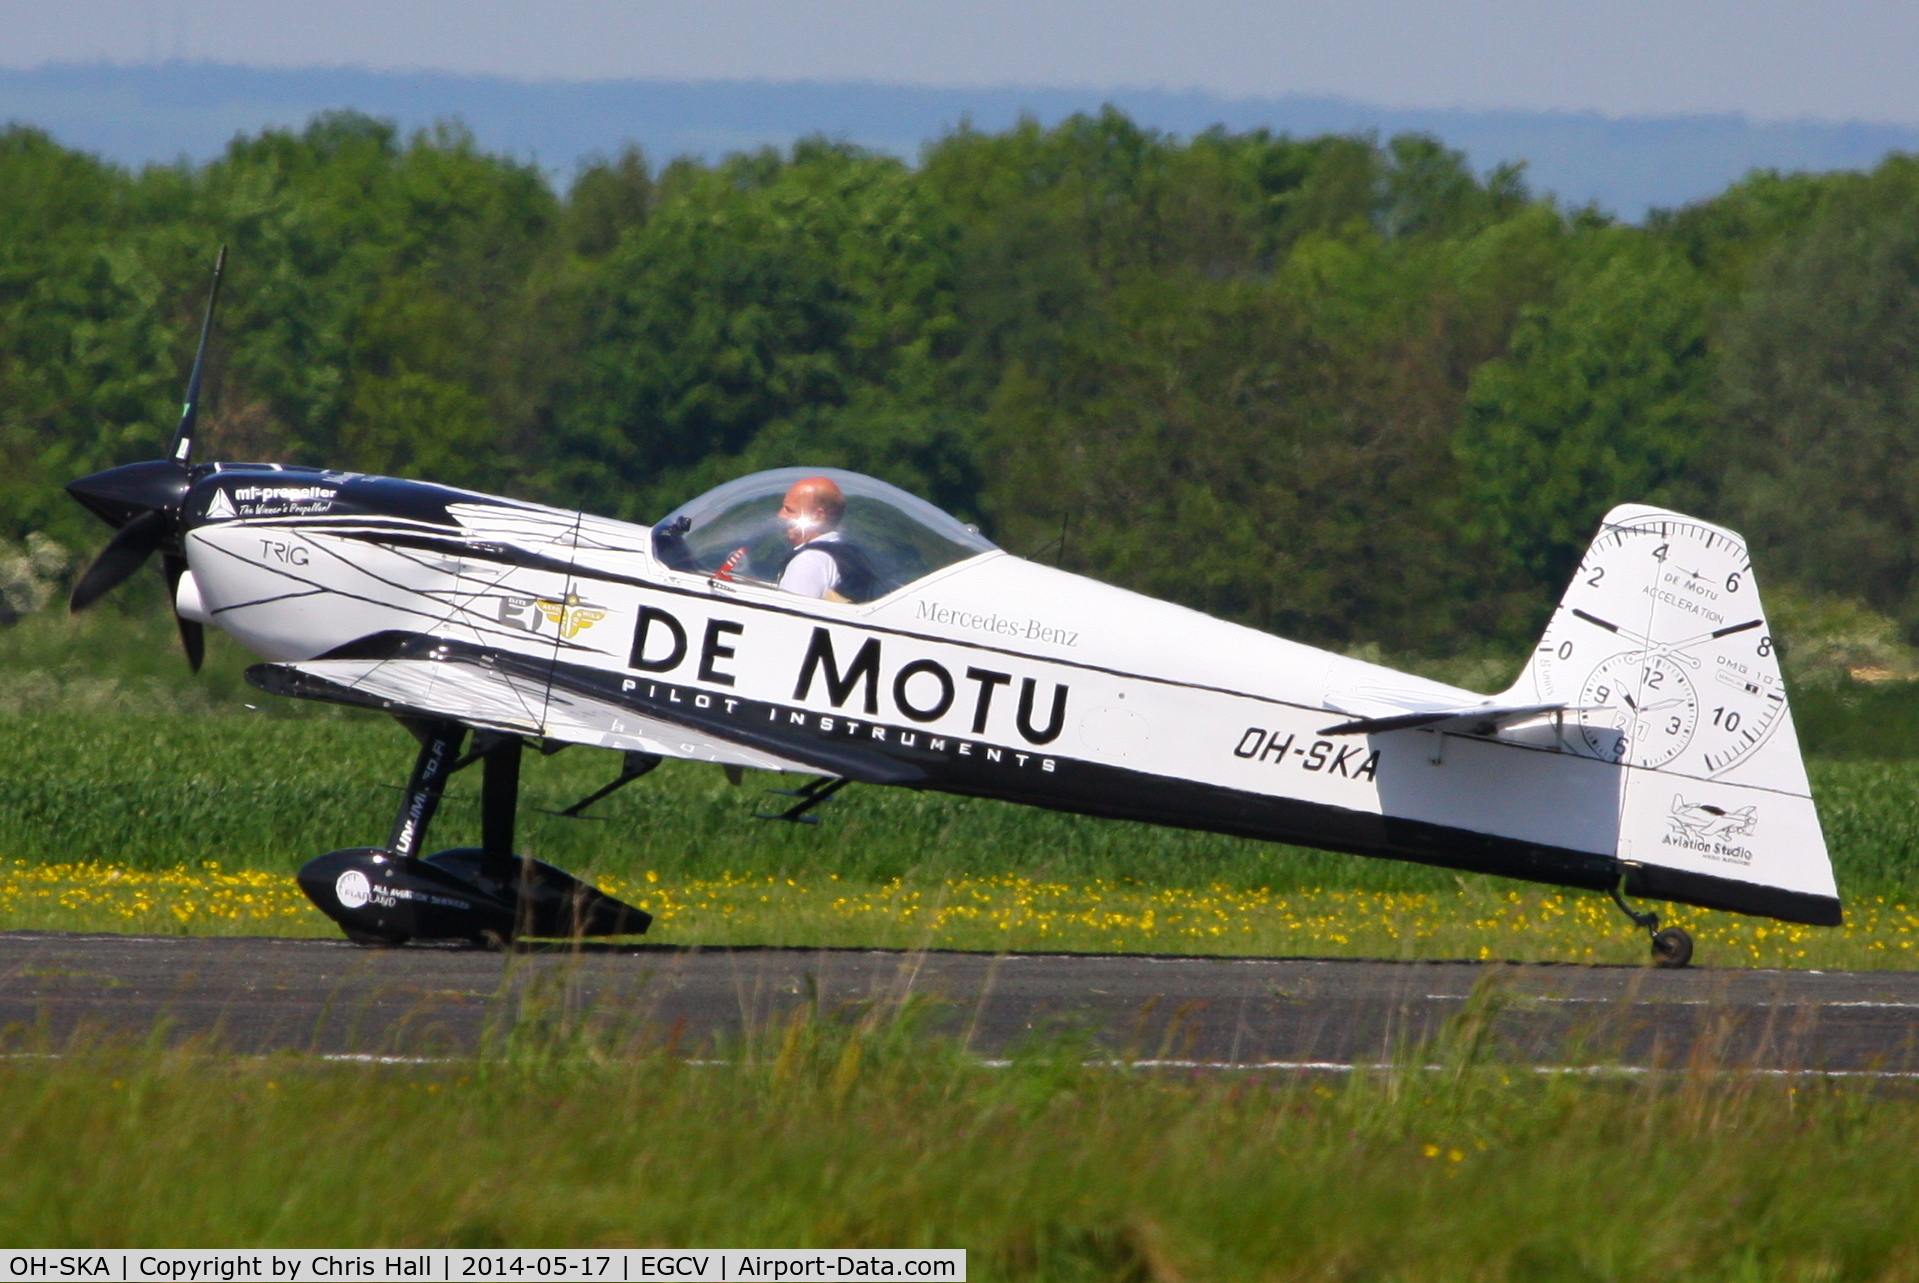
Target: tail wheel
pixel 1671 947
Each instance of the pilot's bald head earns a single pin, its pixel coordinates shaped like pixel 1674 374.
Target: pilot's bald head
pixel 813 506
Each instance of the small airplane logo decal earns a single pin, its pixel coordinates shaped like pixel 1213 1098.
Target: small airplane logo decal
pixel 572 615
pixel 1701 821
pixel 221 509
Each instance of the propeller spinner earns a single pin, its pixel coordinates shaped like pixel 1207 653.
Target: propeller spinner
pixel 143 501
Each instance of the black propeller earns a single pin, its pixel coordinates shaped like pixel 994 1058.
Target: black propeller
pixel 193 637
pixel 143 501
pixel 125 553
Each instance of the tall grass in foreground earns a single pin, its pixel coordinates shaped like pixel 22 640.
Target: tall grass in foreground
pixel 828 1133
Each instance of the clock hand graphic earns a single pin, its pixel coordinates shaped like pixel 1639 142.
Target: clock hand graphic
pixel 1670 649
pixel 1633 704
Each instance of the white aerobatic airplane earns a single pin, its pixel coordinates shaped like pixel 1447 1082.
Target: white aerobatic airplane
pixel 1646 749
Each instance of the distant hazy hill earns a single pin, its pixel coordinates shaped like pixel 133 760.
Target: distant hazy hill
pixel 136 114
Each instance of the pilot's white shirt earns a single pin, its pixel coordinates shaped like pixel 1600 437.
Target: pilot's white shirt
pixel 812 572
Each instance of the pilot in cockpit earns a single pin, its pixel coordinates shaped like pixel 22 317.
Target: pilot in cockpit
pixel 825 564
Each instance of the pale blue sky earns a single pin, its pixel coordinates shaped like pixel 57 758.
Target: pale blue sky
pixel 1769 59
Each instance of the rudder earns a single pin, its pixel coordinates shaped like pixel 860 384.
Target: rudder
pixel 1661 647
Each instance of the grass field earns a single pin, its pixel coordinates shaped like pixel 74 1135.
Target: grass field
pixel 847 1133
pixel 131 799
pixel 149 822
pixel 141 804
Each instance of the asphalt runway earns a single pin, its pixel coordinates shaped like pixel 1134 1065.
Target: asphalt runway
pixel 256 995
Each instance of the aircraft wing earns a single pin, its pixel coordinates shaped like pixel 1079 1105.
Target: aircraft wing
pixel 496 698
pixel 1474 719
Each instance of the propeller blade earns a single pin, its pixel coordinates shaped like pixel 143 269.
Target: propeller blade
pixel 182 447
pixel 125 553
pixel 193 637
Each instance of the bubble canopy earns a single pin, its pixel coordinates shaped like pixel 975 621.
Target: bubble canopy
pixel 902 537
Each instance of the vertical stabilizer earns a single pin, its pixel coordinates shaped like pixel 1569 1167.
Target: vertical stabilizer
pixel 1662 646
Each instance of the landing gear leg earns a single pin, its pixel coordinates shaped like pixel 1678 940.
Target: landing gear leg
pixel 1671 947
pixel 439 758
pixel 387 895
pixel 488 893
pixel 499 806
pixel 540 899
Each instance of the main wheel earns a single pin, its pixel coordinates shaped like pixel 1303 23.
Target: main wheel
pixel 1671 947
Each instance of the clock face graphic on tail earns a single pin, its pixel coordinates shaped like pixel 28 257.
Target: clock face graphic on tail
pixel 1662 645
pixel 1640 708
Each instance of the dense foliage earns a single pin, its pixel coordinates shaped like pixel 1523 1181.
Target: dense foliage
pixel 1342 389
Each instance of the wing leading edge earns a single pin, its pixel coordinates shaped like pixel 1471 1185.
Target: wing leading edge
pixel 415 675
pixel 496 699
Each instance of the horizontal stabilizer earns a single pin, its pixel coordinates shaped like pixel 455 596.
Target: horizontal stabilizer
pixel 1475 719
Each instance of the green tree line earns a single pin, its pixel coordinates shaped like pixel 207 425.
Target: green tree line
pixel 1340 388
